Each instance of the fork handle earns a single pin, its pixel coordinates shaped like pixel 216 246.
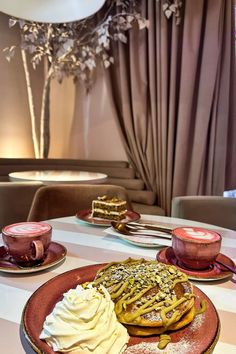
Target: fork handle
pixel 133 233
pixel 150 227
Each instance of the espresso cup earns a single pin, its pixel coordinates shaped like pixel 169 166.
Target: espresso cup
pixel 27 242
pixel 195 247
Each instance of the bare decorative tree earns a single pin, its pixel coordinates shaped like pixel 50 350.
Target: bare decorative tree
pixel 71 49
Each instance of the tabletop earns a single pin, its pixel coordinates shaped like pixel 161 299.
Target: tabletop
pixel 87 244
pixel 59 176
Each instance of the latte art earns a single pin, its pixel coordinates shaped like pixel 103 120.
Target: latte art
pixel 197 234
pixel 27 228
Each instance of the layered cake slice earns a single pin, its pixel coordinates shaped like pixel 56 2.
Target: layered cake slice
pixel 110 208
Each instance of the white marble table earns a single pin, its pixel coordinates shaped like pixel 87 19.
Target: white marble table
pixel 90 245
pixel 58 176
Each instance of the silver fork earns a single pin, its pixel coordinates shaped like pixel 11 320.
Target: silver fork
pixel 144 229
pixel 150 227
pixel 147 232
pixel 126 229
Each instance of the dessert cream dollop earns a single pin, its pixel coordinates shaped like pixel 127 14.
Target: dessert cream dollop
pixel 85 322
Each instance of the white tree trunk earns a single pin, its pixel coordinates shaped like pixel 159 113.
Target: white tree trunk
pixel 45 117
pixel 31 105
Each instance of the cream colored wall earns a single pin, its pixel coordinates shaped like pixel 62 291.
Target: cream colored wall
pixel 82 125
pixel 14 116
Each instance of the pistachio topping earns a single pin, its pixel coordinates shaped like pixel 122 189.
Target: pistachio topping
pixel 146 286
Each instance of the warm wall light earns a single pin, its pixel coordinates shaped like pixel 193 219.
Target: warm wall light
pixel 52 11
pixel 14 147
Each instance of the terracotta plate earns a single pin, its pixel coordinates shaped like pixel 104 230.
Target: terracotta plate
pixel 55 254
pixel 86 216
pixel 198 337
pixel 214 272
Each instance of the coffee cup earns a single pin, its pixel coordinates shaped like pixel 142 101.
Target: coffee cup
pixel 27 242
pixel 195 247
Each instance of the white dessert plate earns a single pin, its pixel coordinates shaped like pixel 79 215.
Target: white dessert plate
pixel 140 240
pixel 86 216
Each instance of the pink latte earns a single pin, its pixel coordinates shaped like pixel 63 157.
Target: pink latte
pixel 194 247
pixel 27 228
pixel 197 234
pixel 27 242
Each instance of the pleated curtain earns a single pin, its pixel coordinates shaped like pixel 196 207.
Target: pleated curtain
pixel 173 88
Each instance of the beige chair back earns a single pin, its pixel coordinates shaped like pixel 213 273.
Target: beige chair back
pixel 219 211
pixel 15 201
pixel 54 201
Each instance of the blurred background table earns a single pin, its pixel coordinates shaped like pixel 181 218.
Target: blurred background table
pixel 87 245
pixel 58 176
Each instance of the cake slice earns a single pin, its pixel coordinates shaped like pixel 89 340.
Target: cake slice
pixel 110 208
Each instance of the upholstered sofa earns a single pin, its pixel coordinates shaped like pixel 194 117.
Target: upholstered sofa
pixel 119 173
pixel 15 201
pixel 216 210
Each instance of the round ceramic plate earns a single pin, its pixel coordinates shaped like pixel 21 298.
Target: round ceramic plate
pixel 200 336
pixel 214 272
pixel 56 253
pixel 86 216
pixel 143 241
pixel 138 239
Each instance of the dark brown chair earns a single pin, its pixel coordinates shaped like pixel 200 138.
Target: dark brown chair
pixel 15 201
pixel 219 211
pixel 55 201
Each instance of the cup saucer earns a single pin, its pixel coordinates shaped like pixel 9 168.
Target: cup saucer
pixel 213 273
pixel 55 254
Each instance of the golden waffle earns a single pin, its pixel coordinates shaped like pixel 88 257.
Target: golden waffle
pixel 150 297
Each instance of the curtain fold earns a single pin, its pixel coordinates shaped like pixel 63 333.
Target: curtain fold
pixel 173 91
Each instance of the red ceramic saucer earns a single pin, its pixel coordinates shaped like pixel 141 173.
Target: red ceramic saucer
pixel 55 254
pixel 214 272
pixel 200 336
pixel 86 216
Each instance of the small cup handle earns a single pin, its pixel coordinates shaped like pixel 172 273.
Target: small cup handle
pixel 39 250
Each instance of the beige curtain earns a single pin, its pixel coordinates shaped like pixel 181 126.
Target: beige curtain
pixel 173 90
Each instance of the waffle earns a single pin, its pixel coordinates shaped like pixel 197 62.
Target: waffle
pixel 150 297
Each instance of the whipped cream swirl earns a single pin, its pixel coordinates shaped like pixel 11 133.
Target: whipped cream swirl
pixel 85 322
